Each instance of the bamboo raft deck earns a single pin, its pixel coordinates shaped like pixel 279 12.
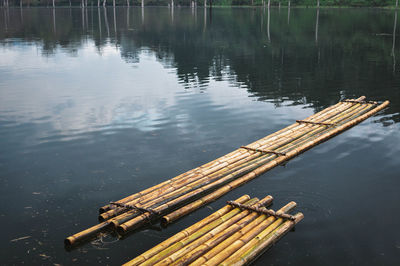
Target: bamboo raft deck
pixel 234 235
pixel 187 192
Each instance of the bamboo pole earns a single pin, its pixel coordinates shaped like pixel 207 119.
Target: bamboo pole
pixel 228 236
pixel 195 235
pixel 221 159
pixel 262 241
pixel 240 247
pixel 184 233
pixel 216 162
pixel 138 220
pixel 153 255
pixel 183 175
pixel 297 137
pixel 269 240
pixel 255 227
pixel 171 253
pixel 184 188
pixel 168 218
pixel 244 179
pixel 222 229
pixel 156 194
pixel 289 134
pixel 245 237
pixel 176 189
pixel 76 238
pixel 277 133
pixel 131 224
pixel 86 234
pixel 198 203
pixel 115 222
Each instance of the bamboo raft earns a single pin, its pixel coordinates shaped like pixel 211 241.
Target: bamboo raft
pixel 234 235
pixel 187 192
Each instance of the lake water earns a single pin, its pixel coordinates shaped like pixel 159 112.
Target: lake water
pixel 97 104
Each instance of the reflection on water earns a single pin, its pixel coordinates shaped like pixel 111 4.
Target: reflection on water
pixel 98 103
pixel 394 42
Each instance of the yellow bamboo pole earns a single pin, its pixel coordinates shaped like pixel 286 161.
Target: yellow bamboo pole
pixel 162 207
pixel 212 233
pixel 86 234
pixel 161 185
pixel 277 133
pixel 95 229
pixel 131 221
pixel 195 235
pixel 295 126
pixel 160 194
pixel 301 137
pixel 240 247
pixel 217 164
pixel 261 242
pixel 223 240
pixel 240 238
pixel 244 179
pixel 184 233
pixel 175 215
pixel 78 237
pixel 218 160
pixel 174 188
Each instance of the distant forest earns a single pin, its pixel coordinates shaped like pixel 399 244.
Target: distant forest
pixel 302 3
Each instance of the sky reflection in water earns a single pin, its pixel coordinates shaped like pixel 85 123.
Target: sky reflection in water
pixel 97 104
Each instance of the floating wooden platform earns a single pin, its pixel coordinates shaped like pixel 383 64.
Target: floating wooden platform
pixel 234 235
pixel 187 192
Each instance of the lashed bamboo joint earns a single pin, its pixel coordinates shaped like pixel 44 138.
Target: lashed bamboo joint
pixel 262 211
pixel 136 208
pixel 315 123
pixel 176 197
pixel 264 151
pixel 236 238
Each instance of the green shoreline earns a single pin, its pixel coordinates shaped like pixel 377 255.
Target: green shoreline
pixel 221 6
pixel 383 4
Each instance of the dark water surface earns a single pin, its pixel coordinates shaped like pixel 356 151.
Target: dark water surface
pixel 98 104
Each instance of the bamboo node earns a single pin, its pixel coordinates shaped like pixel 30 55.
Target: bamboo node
pixel 264 151
pixel 262 211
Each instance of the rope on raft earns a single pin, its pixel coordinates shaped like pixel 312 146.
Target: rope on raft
pixel 264 151
pixel 315 123
pixel 262 211
pixel 134 207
